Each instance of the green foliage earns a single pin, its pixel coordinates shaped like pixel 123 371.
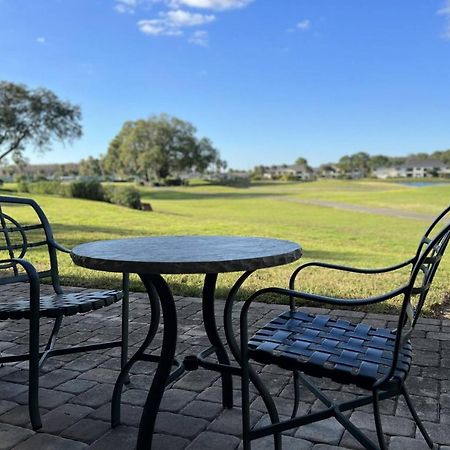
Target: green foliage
pixel 173 182
pixel 90 189
pixel 301 161
pixel 157 148
pixel 90 167
pixel 22 184
pixel 293 211
pixel 34 117
pixel 43 187
pixel 288 177
pixel 123 195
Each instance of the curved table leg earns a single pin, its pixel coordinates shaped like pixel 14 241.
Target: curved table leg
pixel 163 370
pixel 236 351
pixel 209 321
pixel 123 376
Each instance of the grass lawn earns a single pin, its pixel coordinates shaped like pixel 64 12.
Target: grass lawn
pixel 279 210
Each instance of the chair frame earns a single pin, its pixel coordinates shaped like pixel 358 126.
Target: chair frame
pixel 35 355
pixel 426 260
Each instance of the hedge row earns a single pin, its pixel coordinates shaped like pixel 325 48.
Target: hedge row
pixel 87 189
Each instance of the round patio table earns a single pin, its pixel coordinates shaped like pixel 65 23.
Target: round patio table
pixel 152 257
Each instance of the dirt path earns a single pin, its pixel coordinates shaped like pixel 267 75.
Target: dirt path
pixel 364 209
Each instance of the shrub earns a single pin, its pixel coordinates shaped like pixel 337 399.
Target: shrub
pixel 22 185
pixel 173 182
pixel 41 187
pixel 124 196
pixel 90 189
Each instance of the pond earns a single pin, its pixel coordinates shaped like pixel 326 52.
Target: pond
pixel 423 183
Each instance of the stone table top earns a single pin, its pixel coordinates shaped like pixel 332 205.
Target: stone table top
pixel 185 254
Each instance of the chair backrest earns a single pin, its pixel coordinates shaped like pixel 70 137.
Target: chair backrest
pixel 428 257
pixel 26 229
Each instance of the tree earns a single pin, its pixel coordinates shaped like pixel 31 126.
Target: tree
pixel 301 161
pixel 159 147
pixel 90 167
pixel 34 117
pixel 378 161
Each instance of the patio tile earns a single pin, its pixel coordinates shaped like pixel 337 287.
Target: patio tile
pixel 19 416
pixel 76 404
pixel 391 424
pixel 175 399
pixel 94 397
pixel 214 441
pixel 76 386
pixel 120 438
pixel 328 431
pixel 12 435
pixel 10 390
pixel 86 430
pixel 48 398
pixel 402 443
pixel 63 417
pixel 348 441
pixel 230 421
pixel 50 442
pixel 202 409
pixel 6 405
pixel 56 377
pixel 179 425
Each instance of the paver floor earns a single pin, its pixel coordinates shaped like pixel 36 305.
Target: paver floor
pixel 76 390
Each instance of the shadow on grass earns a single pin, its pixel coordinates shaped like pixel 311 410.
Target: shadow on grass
pixel 67 228
pixel 180 195
pixel 113 281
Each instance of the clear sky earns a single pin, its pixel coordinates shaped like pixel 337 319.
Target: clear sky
pixel 266 80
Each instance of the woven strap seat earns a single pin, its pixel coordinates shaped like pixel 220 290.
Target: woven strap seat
pixel 57 305
pixel 324 347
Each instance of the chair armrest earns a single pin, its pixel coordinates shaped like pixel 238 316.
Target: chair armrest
pixel 33 279
pixel 347 269
pixel 326 299
pixel 59 247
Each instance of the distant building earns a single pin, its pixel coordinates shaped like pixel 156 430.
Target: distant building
pixel 329 171
pixel 67 171
pixel 384 173
pixel 298 171
pixel 414 168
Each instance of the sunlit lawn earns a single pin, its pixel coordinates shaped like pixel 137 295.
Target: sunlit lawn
pixel 272 210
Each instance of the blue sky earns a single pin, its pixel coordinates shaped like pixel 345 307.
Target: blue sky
pixel 266 80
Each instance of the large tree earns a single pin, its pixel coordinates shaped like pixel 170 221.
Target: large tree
pixel 159 147
pixel 90 167
pixel 34 117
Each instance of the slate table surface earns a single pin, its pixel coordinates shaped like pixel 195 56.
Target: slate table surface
pixel 185 254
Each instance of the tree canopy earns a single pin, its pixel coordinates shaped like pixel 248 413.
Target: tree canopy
pixel 34 117
pixel 158 147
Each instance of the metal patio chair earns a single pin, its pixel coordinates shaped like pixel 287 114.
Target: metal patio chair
pixel 375 359
pixel 19 241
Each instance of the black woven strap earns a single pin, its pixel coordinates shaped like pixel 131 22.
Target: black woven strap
pixel 323 346
pixel 60 304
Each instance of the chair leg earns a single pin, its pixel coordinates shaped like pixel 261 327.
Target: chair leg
pixel 296 393
pixel 33 373
pixel 125 321
pixel 245 389
pixel 51 341
pixel 377 417
pixel 416 417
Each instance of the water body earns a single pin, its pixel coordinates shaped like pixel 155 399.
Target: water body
pixel 423 183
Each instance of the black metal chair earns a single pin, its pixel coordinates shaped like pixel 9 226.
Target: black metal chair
pixel 375 359
pixel 19 239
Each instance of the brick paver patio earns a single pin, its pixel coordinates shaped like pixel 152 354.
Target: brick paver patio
pixel 76 390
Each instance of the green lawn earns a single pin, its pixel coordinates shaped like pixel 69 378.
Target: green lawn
pixel 274 210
